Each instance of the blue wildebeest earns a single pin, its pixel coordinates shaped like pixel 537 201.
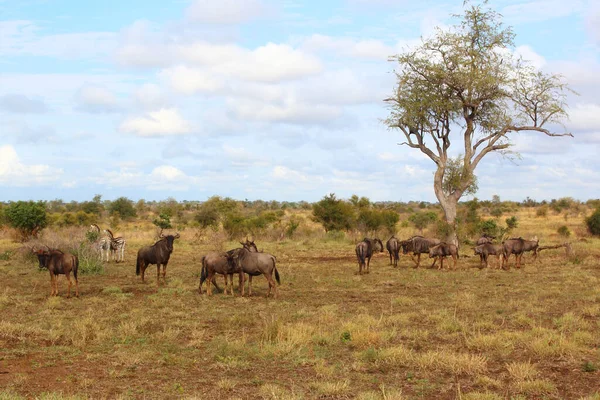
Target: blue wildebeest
pixel 393 247
pixel 364 252
pixel 443 250
pixel 418 245
pixel 255 264
pixel 59 263
pixel 485 250
pixel 485 238
pixel 159 254
pixel 217 263
pixel 518 246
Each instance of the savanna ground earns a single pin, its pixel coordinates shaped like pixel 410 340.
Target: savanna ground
pixel 393 334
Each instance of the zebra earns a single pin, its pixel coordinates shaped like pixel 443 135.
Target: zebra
pixel 117 245
pixel 103 243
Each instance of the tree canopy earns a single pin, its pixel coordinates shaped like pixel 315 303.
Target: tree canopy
pixel 465 84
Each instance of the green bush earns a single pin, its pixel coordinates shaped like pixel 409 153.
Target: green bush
pixel 511 223
pixel 542 212
pixel 564 231
pixel 27 217
pixel 333 213
pixel 422 219
pixel 123 207
pixel 163 221
pixel 593 223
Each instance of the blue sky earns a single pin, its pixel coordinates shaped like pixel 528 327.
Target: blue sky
pixel 260 99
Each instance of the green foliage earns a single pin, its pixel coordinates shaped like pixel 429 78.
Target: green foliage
pixel 292 226
pixel 593 223
pixel 490 227
pixel 458 177
pixel 90 262
pixel 92 236
pixel 163 221
pixel 94 207
pixel 123 207
pixel 496 212
pixel 511 223
pixel 333 213
pixel 422 219
pixel 564 231
pixel 27 217
pixel 589 367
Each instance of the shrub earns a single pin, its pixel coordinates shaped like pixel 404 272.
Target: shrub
pixel 564 231
pixel 593 223
pixel 542 212
pixel 163 221
pixel 511 223
pixel 27 217
pixel 422 219
pixel 122 206
pixel 333 213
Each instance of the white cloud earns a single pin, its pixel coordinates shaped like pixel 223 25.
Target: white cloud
pixel 18 103
pixel 225 11
pixel 189 81
pixel 141 46
pixel 241 157
pixel 290 110
pixel 13 172
pixel 585 117
pixel 528 54
pixel 269 63
pixel 96 99
pixel 164 122
pixel 163 177
pixel 150 95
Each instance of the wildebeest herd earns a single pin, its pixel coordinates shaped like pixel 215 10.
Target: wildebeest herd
pixel 247 260
pixel 417 245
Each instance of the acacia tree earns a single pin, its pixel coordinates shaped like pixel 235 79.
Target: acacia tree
pixel 465 85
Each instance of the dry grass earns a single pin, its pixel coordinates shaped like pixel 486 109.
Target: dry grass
pixel 393 334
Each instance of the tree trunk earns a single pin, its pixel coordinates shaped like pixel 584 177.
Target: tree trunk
pixel 448 204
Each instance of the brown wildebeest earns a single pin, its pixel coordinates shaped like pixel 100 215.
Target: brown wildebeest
pixel 364 252
pixel 418 245
pixel 487 249
pixel 485 238
pixel 443 250
pixel 58 263
pixel 518 246
pixel 393 247
pixel 255 264
pixel 217 263
pixel 159 254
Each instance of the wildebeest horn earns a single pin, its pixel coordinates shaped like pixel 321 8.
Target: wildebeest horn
pixel 160 234
pixel 176 235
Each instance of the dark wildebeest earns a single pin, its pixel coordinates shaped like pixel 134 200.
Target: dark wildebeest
pixel 217 263
pixel 364 252
pixel 58 263
pixel 393 247
pixel 443 250
pixel 485 250
pixel 518 246
pixel 485 238
pixel 255 264
pixel 159 254
pixel 418 245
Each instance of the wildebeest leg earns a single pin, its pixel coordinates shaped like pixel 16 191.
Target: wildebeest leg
pixel 242 283
pixel 455 257
pixel 164 273
pixel 367 267
pixel 51 284
pixel 157 274
pixel 441 267
pixel 68 280
pixel 271 284
pixel 419 260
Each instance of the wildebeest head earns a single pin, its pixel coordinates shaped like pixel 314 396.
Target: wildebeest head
pixel 249 245
pixel 44 255
pixel 169 239
pixel 377 243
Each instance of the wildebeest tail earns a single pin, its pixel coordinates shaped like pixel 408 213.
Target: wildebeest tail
pixel 276 272
pixel 138 266
pixel 360 254
pixel 203 272
pixel 75 266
